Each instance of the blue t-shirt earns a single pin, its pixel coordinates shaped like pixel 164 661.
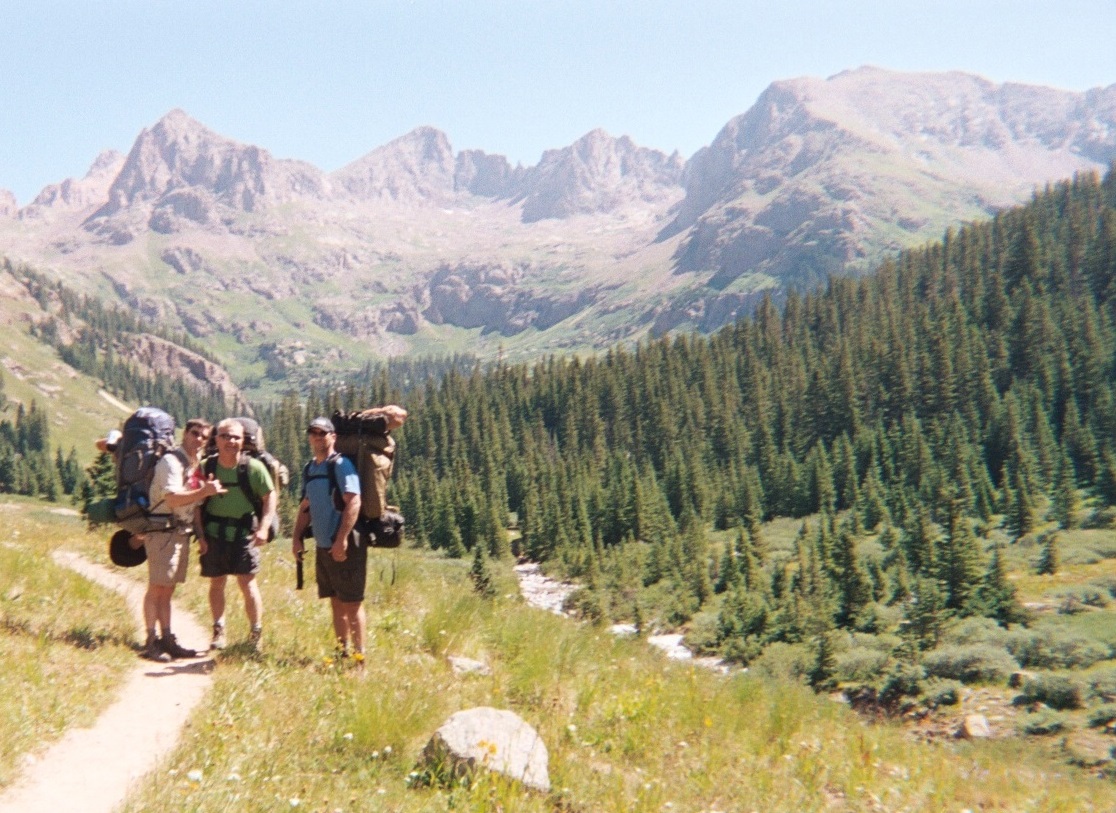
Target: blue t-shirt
pixel 318 488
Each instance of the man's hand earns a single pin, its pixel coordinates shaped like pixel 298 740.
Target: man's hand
pixel 203 546
pixel 298 547
pixel 339 551
pixel 260 536
pixel 213 487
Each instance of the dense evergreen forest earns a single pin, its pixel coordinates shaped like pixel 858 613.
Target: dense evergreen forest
pixel 967 386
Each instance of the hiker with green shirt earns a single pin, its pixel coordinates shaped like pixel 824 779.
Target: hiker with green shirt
pixel 233 526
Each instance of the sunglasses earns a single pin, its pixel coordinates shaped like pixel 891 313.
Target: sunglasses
pixel 227 436
pixel 200 433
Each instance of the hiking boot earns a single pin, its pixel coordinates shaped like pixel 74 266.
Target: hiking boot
pixel 171 647
pixel 254 638
pixel 219 640
pixel 154 651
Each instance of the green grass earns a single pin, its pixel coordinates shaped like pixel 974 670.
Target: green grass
pixel 626 729
pixel 64 641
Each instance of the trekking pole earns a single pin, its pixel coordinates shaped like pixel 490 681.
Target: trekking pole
pixel 298 570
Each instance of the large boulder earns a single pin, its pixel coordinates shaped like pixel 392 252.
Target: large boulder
pixel 489 738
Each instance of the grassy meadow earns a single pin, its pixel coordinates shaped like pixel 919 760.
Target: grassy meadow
pixel 626 729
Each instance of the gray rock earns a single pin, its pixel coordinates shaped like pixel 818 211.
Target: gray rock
pixel 468 666
pixel 974 726
pixel 489 738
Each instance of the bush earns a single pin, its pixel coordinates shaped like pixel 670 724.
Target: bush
pixel 942 693
pixel 976 630
pixel 1102 715
pixel 781 661
pixel 904 680
pixel 1102 685
pixel 1043 723
pixel 1076 599
pixel 1056 691
pixel 860 665
pixel 970 663
pixel 1054 648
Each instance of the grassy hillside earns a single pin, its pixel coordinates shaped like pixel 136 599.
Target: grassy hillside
pixel 626 729
pixel 80 410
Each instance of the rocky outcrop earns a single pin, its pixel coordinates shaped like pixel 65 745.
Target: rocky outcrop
pixel 494 297
pixel 598 174
pixel 416 168
pixel 9 206
pixel 78 195
pixel 489 739
pixel 485 175
pixel 809 178
pixel 178 156
pixel 167 359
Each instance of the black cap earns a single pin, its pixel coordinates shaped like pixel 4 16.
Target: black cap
pixel 322 423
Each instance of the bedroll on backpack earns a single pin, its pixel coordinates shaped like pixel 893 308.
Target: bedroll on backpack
pixel 147 435
pixel 363 438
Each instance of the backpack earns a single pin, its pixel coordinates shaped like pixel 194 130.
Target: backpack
pixel 147 435
pixel 365 439
pixel 253 447
pixel 385 531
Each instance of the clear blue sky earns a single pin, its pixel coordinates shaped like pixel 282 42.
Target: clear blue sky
pixel 329 80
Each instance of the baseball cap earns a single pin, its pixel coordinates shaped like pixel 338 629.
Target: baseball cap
pixel 324 424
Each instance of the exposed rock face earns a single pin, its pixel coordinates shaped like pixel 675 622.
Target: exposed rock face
pixel 9 206
pixel 494 297
pixel 419 167
pixel 806 180
pixel 167 359
pixel 490 176
pixel 598 173
pixel 178 154
pixel 78 195
pixel 490 739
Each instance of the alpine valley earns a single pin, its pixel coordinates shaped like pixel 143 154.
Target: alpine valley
pixel 276 267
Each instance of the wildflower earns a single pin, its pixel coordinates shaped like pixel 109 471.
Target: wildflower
pixel 328 661
pixel 387 750
pixel 375 755
pixel 348 735
pixel 234 777
pixel 358 657
pixel 194 775
pixel 172 772
pixel 296 802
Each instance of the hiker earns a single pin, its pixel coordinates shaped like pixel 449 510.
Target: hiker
pixel 340 558
pixel 178 485
pixel 231 528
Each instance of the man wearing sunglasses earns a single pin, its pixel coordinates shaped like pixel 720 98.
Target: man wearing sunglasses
pixel 176 483
pixel 232 528
pixel 331 505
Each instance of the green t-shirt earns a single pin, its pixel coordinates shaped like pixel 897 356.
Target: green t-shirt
pixel 234 504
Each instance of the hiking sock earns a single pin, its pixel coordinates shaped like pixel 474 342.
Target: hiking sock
pixel 219 639
pixel 254 636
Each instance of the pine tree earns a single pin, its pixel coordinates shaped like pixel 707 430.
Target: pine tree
pixel 1048 559
pixel 480 574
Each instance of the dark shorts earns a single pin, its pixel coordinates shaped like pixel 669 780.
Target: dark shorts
pixel 238 558
pixel 342 580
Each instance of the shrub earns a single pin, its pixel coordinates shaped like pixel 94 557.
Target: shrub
pixel 860 665
pixel 970 663
pixel 1054 648
pixel 942 693
pixel 1056 691
pixel 976 630
pixel 904 680
pixel 783 661
pixel 1102 715
pixel 1043 723
pixel 1102 685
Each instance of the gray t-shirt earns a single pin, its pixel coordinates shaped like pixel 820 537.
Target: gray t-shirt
pixel 172 477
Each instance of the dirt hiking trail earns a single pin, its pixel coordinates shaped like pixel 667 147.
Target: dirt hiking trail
pixel 92 769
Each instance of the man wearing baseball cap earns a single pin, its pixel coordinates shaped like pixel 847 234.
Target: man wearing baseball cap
pixel 330 505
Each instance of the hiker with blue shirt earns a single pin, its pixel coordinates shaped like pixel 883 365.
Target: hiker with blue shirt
pixel 330 506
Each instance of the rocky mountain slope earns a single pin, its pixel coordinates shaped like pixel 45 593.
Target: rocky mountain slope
pixel 415 249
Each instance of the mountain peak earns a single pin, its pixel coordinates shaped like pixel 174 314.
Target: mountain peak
pixel 417 166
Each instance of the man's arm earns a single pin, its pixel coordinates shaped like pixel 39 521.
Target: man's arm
pixel 180 499
pixel 349 516
pixel 302 522
pixel 270 503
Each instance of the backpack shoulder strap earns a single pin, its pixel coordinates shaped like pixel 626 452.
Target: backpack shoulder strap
pixel 245 484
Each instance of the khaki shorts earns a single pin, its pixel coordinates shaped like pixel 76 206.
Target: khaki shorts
pixel 168 554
